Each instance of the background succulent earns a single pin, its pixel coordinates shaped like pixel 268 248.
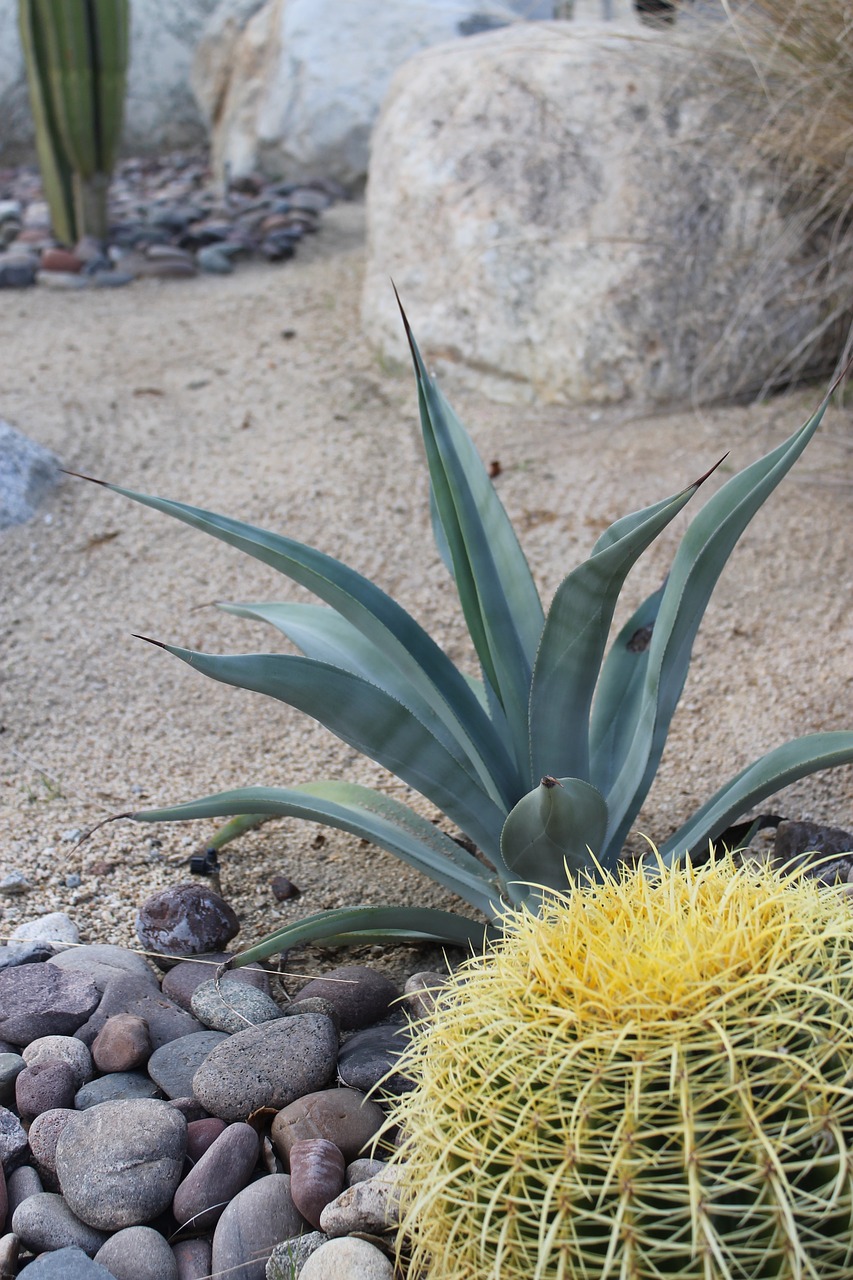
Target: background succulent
pixel 653 1078
pixel 76 54
pixel 553 701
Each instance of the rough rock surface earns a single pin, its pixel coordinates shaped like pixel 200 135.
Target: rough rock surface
pixel 28 472
pixel 293 87
pixel 597 230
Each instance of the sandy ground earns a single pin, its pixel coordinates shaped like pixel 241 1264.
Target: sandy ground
pixel 257 395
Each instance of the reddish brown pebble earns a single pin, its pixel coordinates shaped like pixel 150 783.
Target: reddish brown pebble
pixel 282 888
pixel 60 260
pixel 202 1134
pixel 316 1176
pixel 122 1044
pixel 102 868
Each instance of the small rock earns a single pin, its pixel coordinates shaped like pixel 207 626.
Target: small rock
pixel 138 1253
pixel 61 280
pixel 44 1134
pixel 61 1049
pixel 372 1207
pixel 193 1258
pixel 122 1044
pixel 183 979
pixel 348 1259
pixel 267 1066
pixel 314 1004
pixel 10 1247
pixel 41 1000
pixel 361 1170
pixel 186 920
pixel 45 1222
pixel 131 993
pixel 795 839
pixel 11 1065
pixel 17 273
pixel 201 1135
pixel 175 1064
pixel 369 1057
pixel 210 258
pixel 421 990
pixel 223 1171
pixel 60 260
pixel 231 1006
pixel 288 1258
pixel 102 961
pixel 316 1176
pixel 118 1086
pixel 13 1140
pixel 120 1163
pixel 283 889
pixel 257 1219
pixel 56 931
pixel 45 1086
pixel 20 1184
pixel 343 1116
pixel 111 279
pixel 66 1264
pixel 362 996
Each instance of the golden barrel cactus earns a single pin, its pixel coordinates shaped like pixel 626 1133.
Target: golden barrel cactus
pixel 654 1078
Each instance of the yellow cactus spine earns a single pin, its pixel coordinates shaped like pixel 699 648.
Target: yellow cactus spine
pixel 652 1079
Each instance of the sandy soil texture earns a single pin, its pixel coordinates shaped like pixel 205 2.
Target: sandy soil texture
pixel 256 395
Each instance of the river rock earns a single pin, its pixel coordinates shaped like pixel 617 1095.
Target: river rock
pixel 288 1258
pixel 316 1176
pixel 103 961
pixel 118 1086
pixel 257 1219
pixel 10 1248
pixel 185 920
pixel 138 1253
pixel 44 1086
pixel 362 1169
pixel 11 1066
pixel 201 1135
pixel 55 931
pixel 421 990
pixel 41 1000
pixel 62 1049
pixel 46 1222
pixel 44 1135
pixel 219 1175
pixel 343 1116
pixel 174 1066
pixel 193 1258
pixel 361 996
pixel 348 1259
pixel 131 993
pixel 372 1206
pixel 369 1057
pixel 13 1140
pixel 67 1264
pixel 119 1163
pixel 122 1044
pixel 21 1183
pixel 267 1066
pixel 231 1006
pixel 183 978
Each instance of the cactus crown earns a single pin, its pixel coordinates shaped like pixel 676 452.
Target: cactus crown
pixel 652 1078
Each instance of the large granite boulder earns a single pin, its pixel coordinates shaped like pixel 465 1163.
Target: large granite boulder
pixel 160 112
pixel 570 214
pixel 293 87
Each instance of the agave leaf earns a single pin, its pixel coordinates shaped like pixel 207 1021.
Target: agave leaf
pixel 575 636
pixel 367 814
pixel 620 686
pixel 353 926
pixel 371 721
pixel 394 632
pixel 551 832
pixel 322 634
pixel 698 563
pixel 763 778
pixel 496 589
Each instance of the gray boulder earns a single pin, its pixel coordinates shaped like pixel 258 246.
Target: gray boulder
pixel 28 472
pixel 571 214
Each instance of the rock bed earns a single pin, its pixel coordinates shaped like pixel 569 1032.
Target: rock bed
pixel 168 218
pixel 181 1126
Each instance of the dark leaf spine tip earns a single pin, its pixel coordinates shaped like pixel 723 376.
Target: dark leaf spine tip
pixel 148 640
pixel 548 781
pixel 710 471
pixel 80 475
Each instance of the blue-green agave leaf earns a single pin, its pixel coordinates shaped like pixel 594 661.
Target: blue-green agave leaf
pixel 364 813
pixel 495 585
pixel 394 632
pixel 763 778
pixel 618 693
pixel 371 721
pixel 698 563
pixel 552 832
pixel 358 926
pixel 322 634
pixel 575 636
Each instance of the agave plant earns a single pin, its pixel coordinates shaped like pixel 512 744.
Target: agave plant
pixel 543 763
